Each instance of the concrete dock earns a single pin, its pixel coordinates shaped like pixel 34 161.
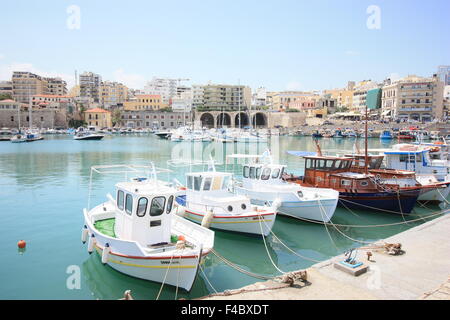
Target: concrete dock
pixel 421 272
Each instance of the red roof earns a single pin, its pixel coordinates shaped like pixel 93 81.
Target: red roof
pixel 97 110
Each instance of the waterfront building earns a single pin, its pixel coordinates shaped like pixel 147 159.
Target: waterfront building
pixel 49 101
pixel 98 117
pixel 153 119
pixel 282 100
pixel 27 84
pixel 447 92
pixel 444 74
pixel 144 102
pixel 164 87
pixel 90 85
pixel 259 97
pixel 360 95
pixel 344 97
pixel 6 88
pixel 226 97
pixel 112 94
pixel 42 118
pixel 182 102
pixel 197 96
pixel 56 86
pixel 413 98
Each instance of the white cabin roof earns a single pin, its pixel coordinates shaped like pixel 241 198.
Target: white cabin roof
pixel 146 187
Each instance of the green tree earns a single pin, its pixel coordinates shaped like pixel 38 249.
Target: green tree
pixel 5 96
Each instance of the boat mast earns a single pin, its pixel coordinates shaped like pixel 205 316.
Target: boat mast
pixel 366 162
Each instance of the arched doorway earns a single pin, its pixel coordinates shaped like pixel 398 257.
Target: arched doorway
pixel 259 120
pixel 207 120
pixel 241 120
pixel 223 119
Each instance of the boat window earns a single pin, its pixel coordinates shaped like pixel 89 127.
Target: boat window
pixel 419 157
pixel 157 207
pixel 275 173
pixel 169 204
pixel 252 173
pixel 217 182
pixel 142 207
pixel 226 181
pixel 337 164
pixel 265 174
pixel 189 182
pixel 120 199
pixel 308 163
pixel 246 171
pixel 207 184
pixel 364 183
pixel 403 158
pixel 345 182
pixel 258 172
pixel 129 203
pixel 197 183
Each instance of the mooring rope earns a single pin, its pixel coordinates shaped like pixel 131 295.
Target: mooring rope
pixel 265 245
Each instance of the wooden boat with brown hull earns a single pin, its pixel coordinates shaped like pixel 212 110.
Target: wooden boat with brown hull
pixel 357 190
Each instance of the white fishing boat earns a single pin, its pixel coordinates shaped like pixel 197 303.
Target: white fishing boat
pixel 263 182
pixel 138 234
pixel 33 135
pixel 209 200
pixel 5 134
pixel 416 157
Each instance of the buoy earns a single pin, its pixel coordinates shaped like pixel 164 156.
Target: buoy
pixel 207 218
pixel 91 244
pixel 84 234
pixel 181 238
pixel 105 253
pixel 21 244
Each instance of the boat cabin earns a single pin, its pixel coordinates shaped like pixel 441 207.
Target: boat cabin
pixel 359 161
pixel 208 191
pixel 143 211
pixel 263 173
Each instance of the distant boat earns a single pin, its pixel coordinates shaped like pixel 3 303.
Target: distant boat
pixel 83 134
pixel 386 134
pixel 18 138
pixel 5 134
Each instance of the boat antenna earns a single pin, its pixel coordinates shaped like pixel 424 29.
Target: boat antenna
pixel 319 151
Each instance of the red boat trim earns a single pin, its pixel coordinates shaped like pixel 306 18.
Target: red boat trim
pixel 223 217
pixel 204 253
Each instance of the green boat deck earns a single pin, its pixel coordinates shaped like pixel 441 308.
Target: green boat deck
pixel 106 227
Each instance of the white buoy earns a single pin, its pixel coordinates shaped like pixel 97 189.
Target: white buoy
pixel 207 219
pixel 105 253
pixel 91 244
pixel 84 234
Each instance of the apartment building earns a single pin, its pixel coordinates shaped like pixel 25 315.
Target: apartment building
pixel 164 87
pixel 413 98
pixel 27 84
pixel 49 101
pixel 226 97
pixel 197 95
pixel 90 85
pixel 112 93
pixel 444 74
pixel 6 88
pixel 259 97
pixel 144 102
pixel 344 97
pixel 56 86
pixel 360 95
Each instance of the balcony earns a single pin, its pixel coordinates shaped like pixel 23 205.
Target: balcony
pixel 406 109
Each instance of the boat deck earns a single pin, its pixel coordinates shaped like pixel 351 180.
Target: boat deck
pixel 106 227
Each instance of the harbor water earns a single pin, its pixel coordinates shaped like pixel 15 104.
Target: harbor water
pixel 44 187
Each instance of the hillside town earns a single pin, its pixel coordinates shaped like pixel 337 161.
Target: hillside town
pixel 166 103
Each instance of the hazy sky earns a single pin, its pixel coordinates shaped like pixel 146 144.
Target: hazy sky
pixel 302 45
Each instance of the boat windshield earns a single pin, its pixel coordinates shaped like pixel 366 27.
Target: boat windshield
pixel 327 164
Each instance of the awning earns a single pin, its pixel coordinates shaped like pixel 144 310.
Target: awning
pixel 385 113
pixel 302 153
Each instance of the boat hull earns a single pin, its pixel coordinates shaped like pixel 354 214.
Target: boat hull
pixel 435 195
pixel 257 224
pixel 96 137
pixel 393 202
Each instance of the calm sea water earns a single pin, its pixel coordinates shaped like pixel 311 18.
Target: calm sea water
pixel 44 188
